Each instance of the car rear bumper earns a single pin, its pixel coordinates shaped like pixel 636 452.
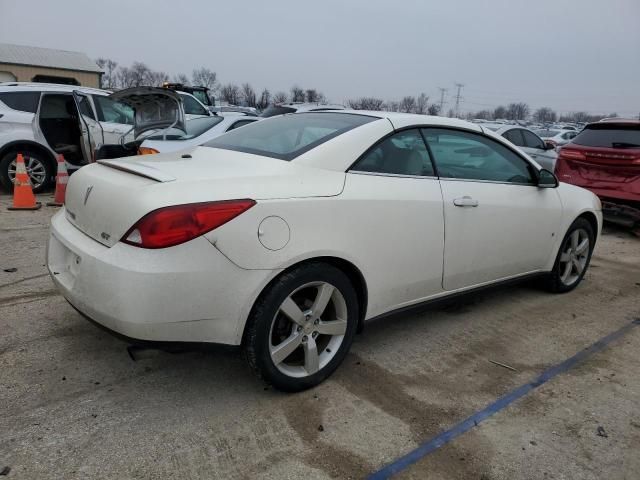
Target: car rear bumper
pixel 187 293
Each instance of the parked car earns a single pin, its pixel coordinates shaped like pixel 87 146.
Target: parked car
pixel 293 107
pixel 528 141
pixel 556 137
pixel 605 158
pixel 40 120
pixel 198 131
pixel 285 236
pixel 198 92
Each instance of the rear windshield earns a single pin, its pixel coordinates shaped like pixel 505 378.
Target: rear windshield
pixel 195 127
pixel 274 110
pixel 288 136
pixel 609 136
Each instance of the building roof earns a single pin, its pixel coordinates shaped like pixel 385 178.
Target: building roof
pixel 47 57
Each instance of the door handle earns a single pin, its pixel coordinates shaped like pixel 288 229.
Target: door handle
pixel 465 201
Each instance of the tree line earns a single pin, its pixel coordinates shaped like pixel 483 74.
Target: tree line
pixel 121 76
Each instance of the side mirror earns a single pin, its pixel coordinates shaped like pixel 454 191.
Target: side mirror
pixel 546 179
pixel 549 145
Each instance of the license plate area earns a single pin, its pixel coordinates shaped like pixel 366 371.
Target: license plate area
pixel 63 263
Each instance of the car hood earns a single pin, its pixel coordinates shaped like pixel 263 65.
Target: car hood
pixel 155 108
pixel 106 198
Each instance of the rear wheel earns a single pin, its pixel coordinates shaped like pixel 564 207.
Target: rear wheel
pixel 38 168
pixel 573 257
pixel 302 327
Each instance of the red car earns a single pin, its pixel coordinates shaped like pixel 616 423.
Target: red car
pixel 605 158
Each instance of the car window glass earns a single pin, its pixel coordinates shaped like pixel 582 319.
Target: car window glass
pixel 23 101
pixel 110 111
pixel 403 153
pixel 514 136
pixel 471 156
pixel 531 140
pixel 239 124
pixel 192 107
pixel 85 107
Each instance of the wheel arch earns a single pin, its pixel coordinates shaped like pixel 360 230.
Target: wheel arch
pixel 593 221
pixel 18 145
pixel 349 269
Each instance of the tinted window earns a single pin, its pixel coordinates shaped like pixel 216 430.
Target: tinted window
pixel 85 107
pixel 607 135
pixel 514 136
pixel 288 136
pixel 531 140
pixel 239 124
pixel 23 101
pixel 472 156
pixel 192 107
pixel 195 127
pixel 109 110
pixel 403 153
pixel 274 110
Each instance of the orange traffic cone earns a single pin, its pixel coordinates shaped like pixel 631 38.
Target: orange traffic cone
pixel 23 197
pixel 62 177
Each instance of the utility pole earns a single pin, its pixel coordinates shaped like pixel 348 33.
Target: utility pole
pixel 443 91
pixel 458 98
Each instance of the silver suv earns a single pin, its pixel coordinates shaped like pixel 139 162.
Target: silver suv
pixel 41 120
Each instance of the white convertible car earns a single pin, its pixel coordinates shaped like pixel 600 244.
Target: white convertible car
pixel 286 235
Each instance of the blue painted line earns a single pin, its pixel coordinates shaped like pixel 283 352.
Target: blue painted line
pixel 474 420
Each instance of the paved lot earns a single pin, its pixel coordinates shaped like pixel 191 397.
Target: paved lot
pixel 74 405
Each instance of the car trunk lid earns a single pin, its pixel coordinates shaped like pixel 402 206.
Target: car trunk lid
pixel 106 198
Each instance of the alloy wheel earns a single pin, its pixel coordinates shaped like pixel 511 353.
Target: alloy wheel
pixel 308 329
pixel 35 169
pixel 574 256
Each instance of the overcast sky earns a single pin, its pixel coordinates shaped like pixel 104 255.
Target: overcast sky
pixel 567 54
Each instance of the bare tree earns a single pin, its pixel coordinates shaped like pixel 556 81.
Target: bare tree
pixel 421 104
pixel 408 104
pixel 230 93
pixel 517 111
pixel 108 78
pixel 205 78
pixel 265 97
pixel 544 115
pixel 451 113
pixel 433 109
pixel 124 78
pixel 280 97
pixel 392 106
pixel 366 103
pixel 297 94
pixel 483 114
pixel 248 95
pixel 181 78
pixel 312 95
pixel 500 112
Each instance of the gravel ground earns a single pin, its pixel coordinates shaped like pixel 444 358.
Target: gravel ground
pixel 74 405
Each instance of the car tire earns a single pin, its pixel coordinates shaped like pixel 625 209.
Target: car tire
pixel 573 258
pixel 42 170
pixel 296 355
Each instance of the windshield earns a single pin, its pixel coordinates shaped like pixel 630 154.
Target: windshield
pixel 288 136
pixel 609 136
pixel 195 128
pixel 202 96
pixel 274 110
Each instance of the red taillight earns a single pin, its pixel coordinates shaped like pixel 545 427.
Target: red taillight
pixel 571 154
pixel 171 226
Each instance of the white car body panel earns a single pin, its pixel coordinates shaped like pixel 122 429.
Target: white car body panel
pixel 401 232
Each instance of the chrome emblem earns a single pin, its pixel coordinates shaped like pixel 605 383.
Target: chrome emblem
pixel 87 193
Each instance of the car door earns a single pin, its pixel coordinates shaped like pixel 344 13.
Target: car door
pixel 536 148
pixel 90 128
pixel 498 223
pixel 400 227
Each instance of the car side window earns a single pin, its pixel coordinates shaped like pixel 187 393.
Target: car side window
pixel 191 106
pixel 403 153
pixel 85 107
pixel 472 156
pixel 239 124
pixel 22 101
pixel 531 140
pixel 514 136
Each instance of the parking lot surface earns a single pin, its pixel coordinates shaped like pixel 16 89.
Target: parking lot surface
pixel 75 405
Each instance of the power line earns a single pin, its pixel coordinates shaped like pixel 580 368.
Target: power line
pixel 458 98
pixel 443 91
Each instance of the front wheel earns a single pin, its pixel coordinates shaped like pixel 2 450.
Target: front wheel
pixel 38 168
pixel 302 327
pixel 573 257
